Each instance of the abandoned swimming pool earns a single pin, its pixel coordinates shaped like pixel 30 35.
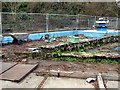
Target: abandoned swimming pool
pixel 39 35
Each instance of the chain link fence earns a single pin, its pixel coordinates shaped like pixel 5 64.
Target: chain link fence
pixel 22 22
pixel 37 22
pixel 86 22
pixel 62 22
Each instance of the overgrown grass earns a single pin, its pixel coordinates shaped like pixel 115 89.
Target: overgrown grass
pixel 87 60
pixel 82 49
pixel 82 52
pixel 65 59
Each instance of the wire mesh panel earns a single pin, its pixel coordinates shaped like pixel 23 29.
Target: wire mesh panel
pixel 118 26
pixel 91 22
pixel 62 22
pixel 83 22
pixel 86 21
pixel 8 22
pixel 97 17
pixel 0 24
pixel 37 22
pixel 113 23
pixel 23 22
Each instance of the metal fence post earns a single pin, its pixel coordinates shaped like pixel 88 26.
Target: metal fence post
pixel 95 20
pixel 108 24
pixel 0 23
pixel 88 23
pixel 47 22
pixel 117 23
pixel 77 21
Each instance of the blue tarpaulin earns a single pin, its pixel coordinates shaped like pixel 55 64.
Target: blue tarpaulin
pixel 7 39
pixel 101 28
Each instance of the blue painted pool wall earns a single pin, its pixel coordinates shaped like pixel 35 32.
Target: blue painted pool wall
pixel 36 36
pixel 7 39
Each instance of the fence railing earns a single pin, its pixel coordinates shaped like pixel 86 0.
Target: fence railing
pixel 39 22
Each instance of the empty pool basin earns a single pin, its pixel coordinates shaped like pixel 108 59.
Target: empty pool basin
pixel 36 36
pixel 92 34
pixel 114 33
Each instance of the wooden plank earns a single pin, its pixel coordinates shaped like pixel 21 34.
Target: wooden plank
pixel 43 82
pixel 18 72
pixel 4 66
pixel 100 82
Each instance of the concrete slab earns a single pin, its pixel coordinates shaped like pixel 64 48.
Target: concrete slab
pixel 18 72
pixel 4 66
pixel 113 84
pixel 31 81
pixel 1 59
pixel 111 76
pixel 54 82
pixel 17 33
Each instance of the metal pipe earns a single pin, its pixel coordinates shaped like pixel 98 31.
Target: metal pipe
pixel 0 23
pixel 77 22
pixel 117 23
pixel 47 22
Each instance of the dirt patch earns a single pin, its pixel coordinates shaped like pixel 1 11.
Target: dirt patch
pixel 24 47
pixel 48 64
pixel 75 66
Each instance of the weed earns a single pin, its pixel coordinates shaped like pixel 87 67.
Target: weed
pixel 87 60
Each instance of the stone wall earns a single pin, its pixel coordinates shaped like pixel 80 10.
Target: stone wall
pixel 83 44
pixel 47 52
